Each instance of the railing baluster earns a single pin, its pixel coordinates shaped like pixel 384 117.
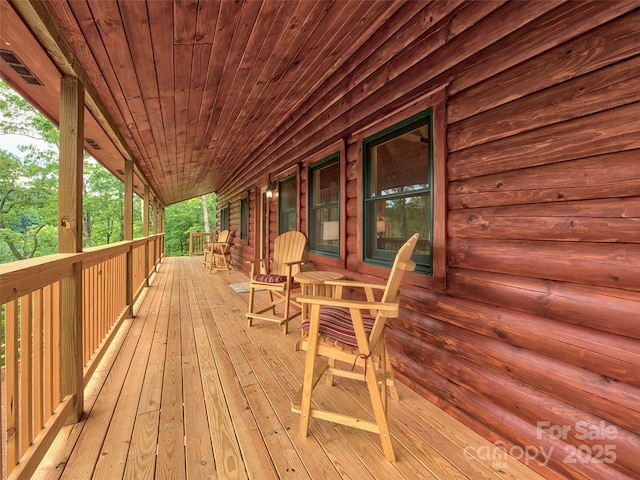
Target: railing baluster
pixel 48 350
pixel 11 384
pixel 38 345
pixel 26 378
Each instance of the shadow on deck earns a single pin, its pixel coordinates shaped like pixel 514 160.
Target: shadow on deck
pixel 188 391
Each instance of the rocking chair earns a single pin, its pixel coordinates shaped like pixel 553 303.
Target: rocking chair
pixel 276 276
pixel 352 332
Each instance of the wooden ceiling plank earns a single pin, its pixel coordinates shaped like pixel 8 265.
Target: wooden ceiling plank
pixel 161 25
pixel 199 69
pixel 293 37
pixel 224 26
pixel 246 22
pixel 183 59
pixel 359 65
pixel 412 19
pixel 185 18
pixel 295 85
pixel 207 10
pixel 342 32
pixel 87 46
pixel 135 20
pixel 260 50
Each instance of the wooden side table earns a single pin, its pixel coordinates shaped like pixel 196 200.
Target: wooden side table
pixel 312 283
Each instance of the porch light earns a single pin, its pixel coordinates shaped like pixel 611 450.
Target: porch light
pixel 270 187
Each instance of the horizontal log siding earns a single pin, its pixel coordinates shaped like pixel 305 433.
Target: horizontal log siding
pixel 539 319
pixel 541 315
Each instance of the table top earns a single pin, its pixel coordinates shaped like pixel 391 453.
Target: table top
pixel 317 277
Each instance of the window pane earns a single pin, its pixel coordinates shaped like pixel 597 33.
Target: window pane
pixel 401 164
pixel 398 201
pixel 324 216
pixel 287 198
pixel 288 195
pixel 398 219
pixel 325 184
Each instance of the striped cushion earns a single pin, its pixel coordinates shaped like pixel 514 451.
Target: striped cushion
pixel 270 278
pixel 218 250
pixel 335 323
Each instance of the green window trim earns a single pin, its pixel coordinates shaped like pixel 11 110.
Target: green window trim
pixel 402 202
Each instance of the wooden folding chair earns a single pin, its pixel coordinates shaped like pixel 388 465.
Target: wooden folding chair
pixel 221 251
pixel 275 275
pixel 352 331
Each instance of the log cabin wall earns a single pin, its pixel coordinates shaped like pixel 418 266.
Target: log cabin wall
pixel 534 338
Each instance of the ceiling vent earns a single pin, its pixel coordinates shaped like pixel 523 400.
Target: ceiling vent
pixel 12 60
pixel 92 143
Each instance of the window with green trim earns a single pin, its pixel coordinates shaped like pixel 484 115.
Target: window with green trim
pixel 398 168
pixel 324 206
pixel 224 218
pixel 244 218
pixel 287 201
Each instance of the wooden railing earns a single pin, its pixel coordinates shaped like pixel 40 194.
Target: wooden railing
pixel 199 240
pixel 32 408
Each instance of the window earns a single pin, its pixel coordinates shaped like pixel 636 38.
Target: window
pixel 244 218
pixel 324 206
pixel 287 201
pixel 224 218
pixel 398 169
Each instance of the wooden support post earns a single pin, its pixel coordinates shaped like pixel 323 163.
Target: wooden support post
pixel 128 231
pixel 145 233
pixel 70 240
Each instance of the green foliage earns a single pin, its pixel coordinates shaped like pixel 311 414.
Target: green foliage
pixel 182 218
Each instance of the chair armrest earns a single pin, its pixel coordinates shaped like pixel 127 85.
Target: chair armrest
pixel 358 304
pixel 354 284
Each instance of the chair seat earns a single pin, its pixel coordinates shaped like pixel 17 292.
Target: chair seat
pixel 335 323
pixel 218 250
pixel 270 278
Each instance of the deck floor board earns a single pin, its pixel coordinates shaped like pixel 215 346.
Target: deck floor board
pixel 188 391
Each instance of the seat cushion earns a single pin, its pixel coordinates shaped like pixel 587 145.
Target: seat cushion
pixel 270 278
pixel 218 251
pixel 335 323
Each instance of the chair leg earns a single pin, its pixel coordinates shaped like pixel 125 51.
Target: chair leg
pixel 379 410
pixel 331 362
pixel 389 378
pixel 251 299
pixel 308 381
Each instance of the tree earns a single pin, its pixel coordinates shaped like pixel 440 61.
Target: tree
pixel 29 185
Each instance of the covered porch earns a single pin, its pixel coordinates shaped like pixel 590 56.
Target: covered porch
pixel 187 390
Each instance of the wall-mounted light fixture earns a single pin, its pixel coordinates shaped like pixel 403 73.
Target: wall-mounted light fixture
pixel 270 187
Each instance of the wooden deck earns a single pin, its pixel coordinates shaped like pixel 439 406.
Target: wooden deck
pixel 187 391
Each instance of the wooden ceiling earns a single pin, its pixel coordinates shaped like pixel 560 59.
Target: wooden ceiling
pixel 192 90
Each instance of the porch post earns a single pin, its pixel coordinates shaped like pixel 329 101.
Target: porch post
pixel 145 232
pixel 70 239
pixel 128 231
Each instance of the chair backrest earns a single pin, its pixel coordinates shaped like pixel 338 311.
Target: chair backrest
pixel 401 264
pixel 288 247
pixel 223 236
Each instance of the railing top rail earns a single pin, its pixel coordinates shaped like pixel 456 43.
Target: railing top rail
pixel 24 276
